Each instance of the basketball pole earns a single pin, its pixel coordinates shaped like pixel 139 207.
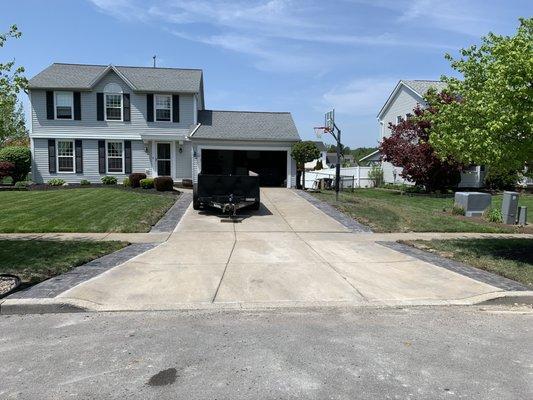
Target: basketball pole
pixel 337 137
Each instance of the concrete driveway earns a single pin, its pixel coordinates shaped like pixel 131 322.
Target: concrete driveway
pixel 288 253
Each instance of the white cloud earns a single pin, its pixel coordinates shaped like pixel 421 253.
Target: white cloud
pixel 278 35
pixel 360 97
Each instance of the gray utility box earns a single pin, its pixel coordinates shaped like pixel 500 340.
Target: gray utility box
pixel 522 215
pixel 510 207
pixel 474 203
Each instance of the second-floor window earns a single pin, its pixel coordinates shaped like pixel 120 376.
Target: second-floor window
pixel 163 107
pixel 113 107
pixel 64 105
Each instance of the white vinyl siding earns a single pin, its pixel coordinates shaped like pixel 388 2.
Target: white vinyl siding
pixel 90 127
pixel 139 158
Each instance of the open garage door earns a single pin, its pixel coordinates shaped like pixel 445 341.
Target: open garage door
pixel 271 166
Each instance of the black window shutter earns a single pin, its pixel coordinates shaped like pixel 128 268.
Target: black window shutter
pixel 175 108
pixel 100 106
pixel 127 156
pixel 101 156
pixel 49 105
pixel 126 107
pixel 79 156
pixel 77 106
pixel 51 156
pixel 150 107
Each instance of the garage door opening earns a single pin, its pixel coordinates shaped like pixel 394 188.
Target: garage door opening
pixel 271 166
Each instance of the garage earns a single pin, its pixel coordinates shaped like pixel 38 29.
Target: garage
pixel 271 166
pixel 235 142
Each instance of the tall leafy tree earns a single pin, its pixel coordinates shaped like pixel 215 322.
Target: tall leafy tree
pixel 408 147
pixel 302 152
pixel 490 121
pixel 12 82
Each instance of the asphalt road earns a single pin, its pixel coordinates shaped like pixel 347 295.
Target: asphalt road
pixel 357 353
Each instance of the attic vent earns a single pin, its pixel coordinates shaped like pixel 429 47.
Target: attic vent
pixel 112 88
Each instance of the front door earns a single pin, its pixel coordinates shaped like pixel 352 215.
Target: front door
pixel 164 163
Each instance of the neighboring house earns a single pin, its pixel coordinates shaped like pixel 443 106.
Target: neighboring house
pixel 347 160
pixel 373 158
pixel 88 121
pixel 323 152
pixel 399 106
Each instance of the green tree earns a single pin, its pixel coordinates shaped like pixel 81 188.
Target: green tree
pixel 303 152
pixel 490 121
pixel 12 81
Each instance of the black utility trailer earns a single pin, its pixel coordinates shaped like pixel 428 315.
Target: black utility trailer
pixel 228 193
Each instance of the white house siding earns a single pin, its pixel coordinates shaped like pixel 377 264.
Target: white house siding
pixel 183 161
pixel 140 162
pixel 403 103
pixel 198 145
pixel 90 127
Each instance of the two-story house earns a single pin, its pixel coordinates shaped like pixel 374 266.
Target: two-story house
pixel 88 121
pixel 399 106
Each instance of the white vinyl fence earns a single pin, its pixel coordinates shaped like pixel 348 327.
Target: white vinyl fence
pixel 352 177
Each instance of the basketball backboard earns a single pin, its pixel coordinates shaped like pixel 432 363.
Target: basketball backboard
pixel 329 120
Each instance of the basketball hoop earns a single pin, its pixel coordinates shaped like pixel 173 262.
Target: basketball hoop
pixel 320 130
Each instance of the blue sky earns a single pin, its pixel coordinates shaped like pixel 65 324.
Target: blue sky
pixel 279 55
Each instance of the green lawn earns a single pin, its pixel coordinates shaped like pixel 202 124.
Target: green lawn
pixel 82 210
pixel 390 211
pixel 512 258
pixel 37 260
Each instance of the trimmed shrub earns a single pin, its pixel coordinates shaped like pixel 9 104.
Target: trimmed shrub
pixel 56 182
pixel 164 184
pixel 376 175
pixel 109 180
pixel 126 182
pixel 135 179
pixel 23 184
pixel 6 169
pixel 20 157
pixel 493 215
pixel 85 182
pixel 147 183
pixel 501 180
pixel 319 165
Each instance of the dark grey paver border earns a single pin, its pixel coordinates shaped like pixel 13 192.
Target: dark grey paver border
pixel 173 216
pixel 58 284
pixel 331 211
pixel 455 266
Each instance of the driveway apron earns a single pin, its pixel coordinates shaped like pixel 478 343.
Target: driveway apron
pixel 287 253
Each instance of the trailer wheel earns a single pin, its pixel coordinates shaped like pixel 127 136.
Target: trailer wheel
pixel 256 205
pixel 195 203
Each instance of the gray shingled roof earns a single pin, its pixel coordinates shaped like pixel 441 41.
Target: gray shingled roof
pixel 422 86
pixel 320 145
pixel 144 79
pixel 246 125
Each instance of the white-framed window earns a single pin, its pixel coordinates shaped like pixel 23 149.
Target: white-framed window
pixel 113 106
pixel 65 155
pixel 64 105
pixel 163 107
pixel 115 157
